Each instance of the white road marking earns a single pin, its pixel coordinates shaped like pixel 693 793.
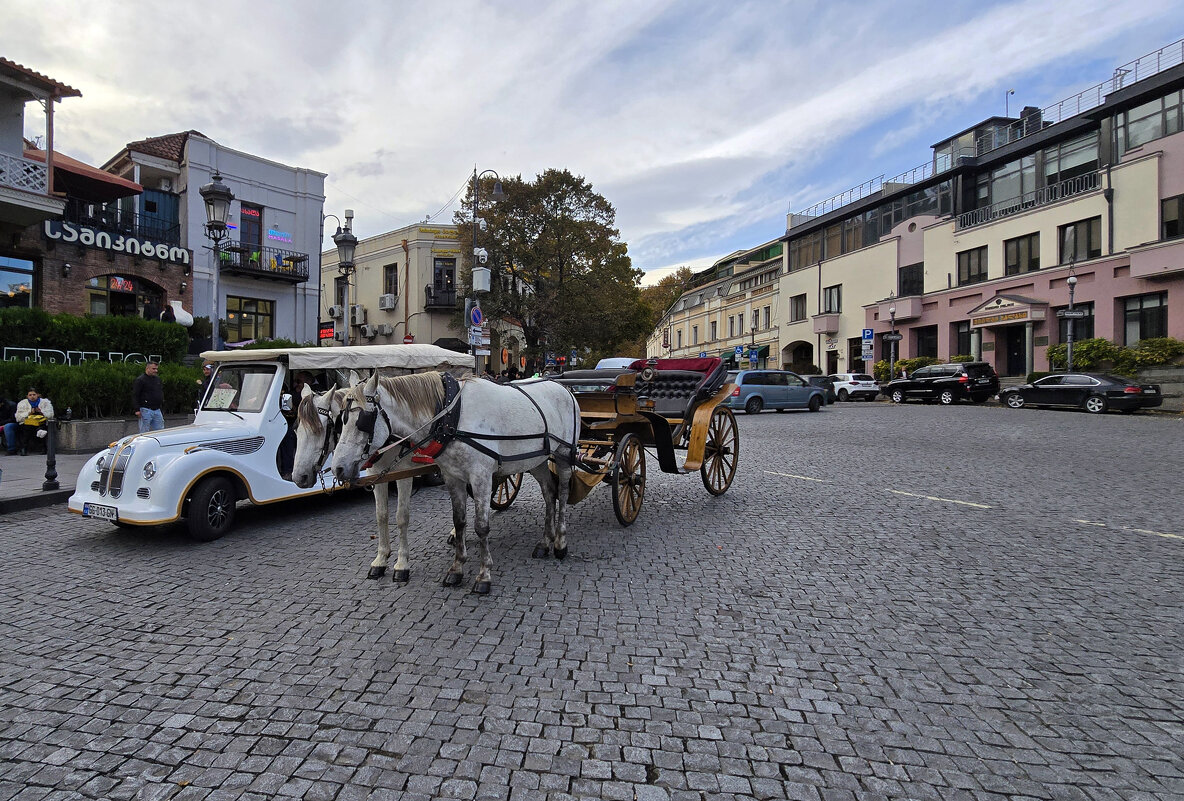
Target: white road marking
pixel 943 500
pixel 1089 523
pixel 791 475
pixel 1156 533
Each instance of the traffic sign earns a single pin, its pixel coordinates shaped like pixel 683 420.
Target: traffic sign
pixel 893 337
pixel 476 317
pixel 868 335
pixel 408 339
pixel 1076 314
pixel 867 353
pixel 702 354
pixel 739 351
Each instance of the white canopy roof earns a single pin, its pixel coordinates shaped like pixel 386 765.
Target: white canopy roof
pixel 360 357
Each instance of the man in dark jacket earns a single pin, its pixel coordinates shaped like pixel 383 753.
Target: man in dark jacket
pixel 148 398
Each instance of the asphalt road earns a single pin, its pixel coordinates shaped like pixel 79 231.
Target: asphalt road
pixel 912 602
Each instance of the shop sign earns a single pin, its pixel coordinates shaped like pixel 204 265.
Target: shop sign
pixel 442 233
pixel 74 357
pixel 324 330
pixel 279 236
pixel 61 231
pixel 1000 318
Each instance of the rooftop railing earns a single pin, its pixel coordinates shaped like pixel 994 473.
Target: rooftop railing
pixel 121 221
pixel 21 173
pixel 1039 197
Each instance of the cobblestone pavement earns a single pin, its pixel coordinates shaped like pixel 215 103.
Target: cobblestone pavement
pixel 891 602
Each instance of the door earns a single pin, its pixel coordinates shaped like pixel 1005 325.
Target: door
pixel 797 391
pixel 1014 342
pixel 1075 389
pixel 832 361
pixel 1046 390
pixel 775 390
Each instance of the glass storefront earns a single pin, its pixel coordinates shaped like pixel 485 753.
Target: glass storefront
pixel 123 296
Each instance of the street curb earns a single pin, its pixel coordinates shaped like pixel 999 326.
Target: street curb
pixel 38 501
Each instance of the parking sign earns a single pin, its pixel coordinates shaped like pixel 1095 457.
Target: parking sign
pixel 868 335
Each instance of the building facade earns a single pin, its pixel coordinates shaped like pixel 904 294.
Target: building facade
pixel 970 253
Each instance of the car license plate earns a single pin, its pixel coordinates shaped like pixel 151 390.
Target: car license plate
pixel 982 380
pixel 1149 391
pixel 100 511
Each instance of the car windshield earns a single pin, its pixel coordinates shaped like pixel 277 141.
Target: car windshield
pixel 239 388
pixel 731 378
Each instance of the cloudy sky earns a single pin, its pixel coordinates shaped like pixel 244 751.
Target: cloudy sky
pixel 704 123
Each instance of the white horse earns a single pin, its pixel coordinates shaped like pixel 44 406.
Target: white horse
pixel 316 423
pixel 477 431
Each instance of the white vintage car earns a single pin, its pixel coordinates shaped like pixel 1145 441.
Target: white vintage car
pixel 231 451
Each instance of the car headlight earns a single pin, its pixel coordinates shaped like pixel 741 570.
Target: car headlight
pixel 102 461
pixel 149 470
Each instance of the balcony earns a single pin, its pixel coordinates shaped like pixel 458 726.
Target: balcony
pixel 120 221
pixel 24 191
pixel 906 309
pixel 258 261
pixel 1030 200
pixel 827 323
pixel 439 299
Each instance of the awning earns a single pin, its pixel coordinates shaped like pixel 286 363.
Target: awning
pixel 84 181
pixel 355 357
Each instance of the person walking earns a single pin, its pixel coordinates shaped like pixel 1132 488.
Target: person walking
pixel 148 398
pixel 32 416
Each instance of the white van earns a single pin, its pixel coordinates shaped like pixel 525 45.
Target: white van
pixel 231 451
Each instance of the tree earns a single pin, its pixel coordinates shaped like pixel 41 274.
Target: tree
pixel 559 269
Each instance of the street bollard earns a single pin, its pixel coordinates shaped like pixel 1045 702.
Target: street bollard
pixel 51 457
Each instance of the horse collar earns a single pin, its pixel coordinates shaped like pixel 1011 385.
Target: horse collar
pixel 444 428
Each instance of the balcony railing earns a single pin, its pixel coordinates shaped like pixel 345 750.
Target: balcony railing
pixel 21 173
pixel 439 298
pixel 1039 197
pixel 121 221
pixel 263 262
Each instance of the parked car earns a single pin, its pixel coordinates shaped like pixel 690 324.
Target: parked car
pixel 855 386
pixel 615 362
pixel 1094 392
pixel 825 384
pixel 948 383
pixel 772 389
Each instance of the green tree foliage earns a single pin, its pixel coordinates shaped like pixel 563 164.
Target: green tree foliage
pixel 559 268
pixel 1102 354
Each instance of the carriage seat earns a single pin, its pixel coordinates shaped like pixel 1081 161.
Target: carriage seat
pixel 591 380
pixel 680 384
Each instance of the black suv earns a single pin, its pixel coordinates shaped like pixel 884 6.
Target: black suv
pixel 947 383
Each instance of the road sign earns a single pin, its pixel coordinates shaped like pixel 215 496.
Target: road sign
pixel 893 337
pixel 408 339
pixel 1076 314
pixel 868 335
pixel 739 351
pixel 867 354
pixel 476 317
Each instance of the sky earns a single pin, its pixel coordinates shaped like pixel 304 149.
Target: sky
pixel 703 123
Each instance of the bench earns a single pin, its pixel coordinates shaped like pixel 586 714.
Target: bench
pixel 678 385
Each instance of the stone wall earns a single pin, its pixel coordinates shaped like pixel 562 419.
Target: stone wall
pixel 92 436
pixel 1171 383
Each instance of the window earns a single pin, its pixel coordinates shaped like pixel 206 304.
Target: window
pixel 694 335
pixel 731 326
pixel 755 319
pixel 1145 317
pixel 805 251
pixel 1013 180
pixel 1022 254
pixel 390 279
pixel 911 280
pixel 972 266
pixel 678 336
pixel 832 299
pixel 961 337
pixel 249 318
pixel 833 238
pixel 123 296
pixel 713 331
pixel 1082 329
pixel 925 340
pixel 16 282
pixel 250 226
pixel 1071 159
pixel 797 308
pixel 1172 214
pixel 444 281
pixel 341 292
pixel 1080 240
pixel 768 313
pixel 1152 120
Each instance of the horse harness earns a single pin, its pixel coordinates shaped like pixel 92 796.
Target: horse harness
pixel 444 429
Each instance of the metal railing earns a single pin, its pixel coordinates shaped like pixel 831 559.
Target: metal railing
pixel 917 174
pixel 439 298
pixel 121 221
pixel 263 262
pixel 21 173
pixel 1039 197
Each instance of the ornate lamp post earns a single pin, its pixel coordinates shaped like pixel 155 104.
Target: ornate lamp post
pixel 480 255
pixel 1072 282
pixel 217 198
pixel 892 349
pixel 347 245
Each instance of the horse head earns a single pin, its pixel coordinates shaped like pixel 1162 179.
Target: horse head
pixel 358 435
pixel 316 419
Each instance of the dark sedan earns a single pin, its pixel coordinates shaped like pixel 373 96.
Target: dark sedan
pixel 1094 392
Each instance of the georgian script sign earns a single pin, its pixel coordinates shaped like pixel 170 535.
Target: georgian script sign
pixel 52 356
pixel 60 231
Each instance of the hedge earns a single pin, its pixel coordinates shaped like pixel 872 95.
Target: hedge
pixel 34 328
pixel 1102 354
pixel 95 389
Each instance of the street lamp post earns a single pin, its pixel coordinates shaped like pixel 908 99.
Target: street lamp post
pixel 752 346
pixel 217 198
pixel 892 342
pixel 480 272
pixel 347 245
pixel 1072 282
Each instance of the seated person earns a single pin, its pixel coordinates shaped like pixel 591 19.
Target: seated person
pixel 8 425
pixel 32 417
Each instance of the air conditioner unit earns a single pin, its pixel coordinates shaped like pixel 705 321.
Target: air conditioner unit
pixel 369 331
pixel 385 329
pixel 338 336
pixel 358 314
pixel 335 312
pixel 386 301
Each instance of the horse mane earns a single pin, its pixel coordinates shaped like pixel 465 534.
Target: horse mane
pixel 419 393
pixel 307 414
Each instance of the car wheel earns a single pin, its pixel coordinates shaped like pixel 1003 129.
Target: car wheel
pixel 843 395
pixel 947 397
pixel 815 403
pixel 754 405
pixel 897 396
pixel 1096 404
pixel 211 509
pixel 1015 400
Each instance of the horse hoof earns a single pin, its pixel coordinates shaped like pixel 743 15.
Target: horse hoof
pixel 540 552
pixel 452 539
pixel 452 579
pixel 560 552
pixel 376 572
pixel 481 588
pixel 401 575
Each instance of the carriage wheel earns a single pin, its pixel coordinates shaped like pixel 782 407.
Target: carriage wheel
pixel 628 479
pixel 505 490
pixel 721 453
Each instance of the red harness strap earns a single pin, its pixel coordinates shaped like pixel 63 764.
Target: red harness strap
pixel 425 454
